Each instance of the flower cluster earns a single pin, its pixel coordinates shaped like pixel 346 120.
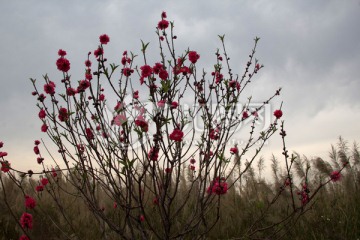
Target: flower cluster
pixel 5 165
pixel 218 187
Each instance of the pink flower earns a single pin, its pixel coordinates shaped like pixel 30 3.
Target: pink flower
pixel 1 144
pixel 39 188
pixel 118 106
pixel 278 113
pixel 163 15
pixel 120 119
pixel 49 88
pixel 104 39
pixel 192 161
pixel 63 64
pixel 61 53
pixel 44 181
pixel 26 221
pixel 63 114
pixel 192 168
pixel 161 103
pixel 3 154
pixel 163 24
pixel 193 56
pixel 136 94
pixel 335 176
pixel 42 114
pixel 30 203
pixel 101 97
pixel 44 128
pixel 146 71
pixel 176 135
pixel 5 166
pixel 234 150
pixel 168 170
pixel 142 218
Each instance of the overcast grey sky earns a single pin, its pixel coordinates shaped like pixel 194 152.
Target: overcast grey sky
pixel 310 48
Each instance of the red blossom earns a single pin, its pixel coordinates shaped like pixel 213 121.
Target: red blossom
pixel 136 94
pixel 142 218
pixel 88 63
pixel 5 166
pixel 41 97
pixel 49 88
pixel 83 85
pixel 53 172
pixel 42 114
pixel 234 150
pixel 3 154
pixel 146 71
pixel 278 113
pixel 37 142
pixel 89 134
pixel 98 52
pixel 176 135
pixel 192 168
pixel 63 114
pixel 24 237
pixel 161 103
pixel 61 53
pixel 44 127
pixel 104 39
pixel 245 115
pixel 36 150
pixel 163 75
pixel 26 221
pixel 63 64
pixel 174 105
pixel 30 203
pixel 218 187
pixel 39 160
pixel 163 24
pixel 44 181
pixel 153 154
pixel 1 144
pixel 101 97
pixel 39 188
pixel 335 176
pixel 192 161
pixel 127 71
pixel 71 91
pixel 163 15
pixel 157 68
pixel 140 122
pixel 193 56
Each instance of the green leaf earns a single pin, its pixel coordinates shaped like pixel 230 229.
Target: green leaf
pixel 144 46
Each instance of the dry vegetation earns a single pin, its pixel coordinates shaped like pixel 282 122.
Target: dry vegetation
pixel 247 211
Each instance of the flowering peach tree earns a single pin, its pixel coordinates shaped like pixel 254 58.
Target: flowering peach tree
pixel 152 139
